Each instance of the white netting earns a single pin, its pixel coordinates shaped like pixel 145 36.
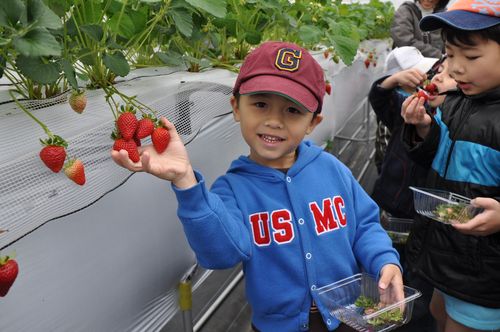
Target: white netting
pixel 31 194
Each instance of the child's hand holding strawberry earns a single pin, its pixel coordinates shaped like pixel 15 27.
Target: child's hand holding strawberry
pixel 172 164
pixel 413 112
pixel 408 79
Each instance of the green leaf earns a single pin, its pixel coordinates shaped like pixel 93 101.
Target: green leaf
pixel 345 47
pixel 170 58
pixel 215 7
pixel 183 21
pixel 37 42
pixel 139 19
pixel 69 72
pixel 41 14
pixel 10 12
pixel 310 34
pixel 117 63
pixel 253 37
pixel 94 31
pixel 4 41
pixel 3 63
pixel 122 25
pixel 87 56
pixel 38 70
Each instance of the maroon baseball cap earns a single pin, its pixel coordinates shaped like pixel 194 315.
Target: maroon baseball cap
pixel 285 69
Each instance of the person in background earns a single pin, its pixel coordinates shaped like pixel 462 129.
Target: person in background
pixel 399 59
pixel 461 147
pixel 405 30
pixel 406 70
pixel 292 213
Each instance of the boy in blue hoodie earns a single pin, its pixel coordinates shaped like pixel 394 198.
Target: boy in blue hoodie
pixel 290 212
pixel 461 145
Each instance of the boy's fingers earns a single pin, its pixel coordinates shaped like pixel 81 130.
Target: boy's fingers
pixel 122 159
pixel 484 202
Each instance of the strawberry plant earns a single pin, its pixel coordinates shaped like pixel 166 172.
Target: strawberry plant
pixel 31 52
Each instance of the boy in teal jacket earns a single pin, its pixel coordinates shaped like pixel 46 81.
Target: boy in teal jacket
pixel 290 212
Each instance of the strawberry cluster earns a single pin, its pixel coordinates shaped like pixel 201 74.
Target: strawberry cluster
pixel 129 132
pixel 53 155
pixel 371 59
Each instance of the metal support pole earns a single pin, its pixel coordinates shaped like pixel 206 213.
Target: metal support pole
pixel 186 304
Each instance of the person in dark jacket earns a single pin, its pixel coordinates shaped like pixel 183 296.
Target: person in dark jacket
pixel 406 68
pixel 391 190
pixel 461 145
pixel 406 32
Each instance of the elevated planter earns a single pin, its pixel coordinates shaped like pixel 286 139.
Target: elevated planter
pixel 108 256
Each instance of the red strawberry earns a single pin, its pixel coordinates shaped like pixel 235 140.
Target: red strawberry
pixel 53 157
pixel 423 94
pixel 367 63
pixel 127 124
pixel 160 138
pixel 145 127
pixel 326 53
pixel 128 145
pixel 78 101
pixel 137 141
pixel 54 153
pixel 75 171
pixel 328 88
pixel 8 274
pixel 431 88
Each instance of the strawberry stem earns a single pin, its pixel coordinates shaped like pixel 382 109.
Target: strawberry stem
pixel 44 127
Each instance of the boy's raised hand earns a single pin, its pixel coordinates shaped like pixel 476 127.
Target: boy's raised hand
pixel 413 112
pixel 172 164
pixel 390 285
pixel 410 78
pixel 486 222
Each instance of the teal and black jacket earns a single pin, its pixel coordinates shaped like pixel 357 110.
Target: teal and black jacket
pixel 462 151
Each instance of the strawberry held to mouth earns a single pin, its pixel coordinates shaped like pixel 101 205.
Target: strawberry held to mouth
pixel 422 94
pixel 431 88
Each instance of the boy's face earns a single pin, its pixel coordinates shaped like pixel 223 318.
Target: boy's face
pixel 273 127
pixel 444 82
pixel 475 68
pixel 428 4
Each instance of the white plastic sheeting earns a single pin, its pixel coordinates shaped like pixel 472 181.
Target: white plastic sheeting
pixel 108 256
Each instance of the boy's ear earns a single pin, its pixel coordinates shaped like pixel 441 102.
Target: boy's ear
pixel 314 122
pixel 236 111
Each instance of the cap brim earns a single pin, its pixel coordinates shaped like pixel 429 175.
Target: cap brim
pixel 459 19
pixel 282 86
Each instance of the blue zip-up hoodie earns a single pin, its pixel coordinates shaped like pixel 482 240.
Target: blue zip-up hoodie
pixel 294 232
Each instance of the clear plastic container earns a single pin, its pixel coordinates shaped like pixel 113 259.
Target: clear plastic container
pixel 443 206
pixel 340 298
pixel 398 229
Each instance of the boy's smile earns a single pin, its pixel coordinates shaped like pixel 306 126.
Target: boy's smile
pixel 475 68
pixel 273 127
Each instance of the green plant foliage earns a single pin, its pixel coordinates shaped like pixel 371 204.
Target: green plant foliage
pixel 47 44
